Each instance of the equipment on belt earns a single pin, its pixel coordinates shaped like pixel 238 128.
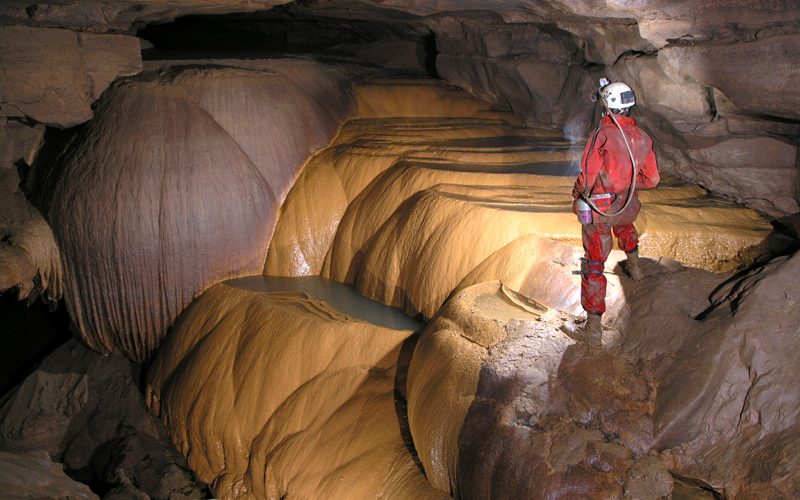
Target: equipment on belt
pixel 616 97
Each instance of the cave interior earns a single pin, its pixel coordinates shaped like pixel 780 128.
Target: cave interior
pixel 327 249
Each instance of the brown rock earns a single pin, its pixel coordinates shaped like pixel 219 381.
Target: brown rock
pixel 34 475
pixel 531 415
pixel 85 410
pixel 739 70
pixel 20 142
pixel 29 257
pixel 53 76
pixel 726 392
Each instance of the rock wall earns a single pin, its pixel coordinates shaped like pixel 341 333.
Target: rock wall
pixel 175 185
pixel 53 76
pixel 699 78
pixel 273 395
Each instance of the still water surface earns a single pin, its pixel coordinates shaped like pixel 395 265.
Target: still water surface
pixel 342 297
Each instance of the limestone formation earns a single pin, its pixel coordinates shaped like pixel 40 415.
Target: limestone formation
pixel 29 258
pixel 403 198
pixel 273 395
pixel 84 410
pixel 175 185
pixel 53 75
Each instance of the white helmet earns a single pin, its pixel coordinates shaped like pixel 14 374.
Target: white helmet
pixel 617 96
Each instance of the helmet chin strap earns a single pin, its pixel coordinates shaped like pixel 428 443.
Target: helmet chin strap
pixel 631 187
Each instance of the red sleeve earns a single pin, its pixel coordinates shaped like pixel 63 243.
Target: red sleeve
pixel 591 164
pixel 648 175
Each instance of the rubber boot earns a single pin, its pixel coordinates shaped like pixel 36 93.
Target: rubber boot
pixel 633 267
pixel 592 331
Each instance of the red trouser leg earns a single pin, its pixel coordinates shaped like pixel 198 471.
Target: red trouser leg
pixel 627 237
pixel 597 245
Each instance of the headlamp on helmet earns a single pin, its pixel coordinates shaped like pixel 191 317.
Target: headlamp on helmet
pixel 617 96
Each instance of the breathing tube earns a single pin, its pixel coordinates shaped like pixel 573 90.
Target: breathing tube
pixel 585 197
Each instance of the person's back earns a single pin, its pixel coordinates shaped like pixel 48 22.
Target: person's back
pixel 618 160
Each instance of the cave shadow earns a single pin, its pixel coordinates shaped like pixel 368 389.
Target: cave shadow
pixel 783 241
pixel 401 396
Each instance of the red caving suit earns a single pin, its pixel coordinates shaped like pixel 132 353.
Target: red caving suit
pixel 608 170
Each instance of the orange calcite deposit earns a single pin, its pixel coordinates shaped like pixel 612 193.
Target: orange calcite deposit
pixel 409 201
pixel 276 395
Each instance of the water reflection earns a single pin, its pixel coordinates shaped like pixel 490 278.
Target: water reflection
pixel 342 297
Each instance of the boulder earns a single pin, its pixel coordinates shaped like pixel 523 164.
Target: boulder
pixel 85 410
pixel 502 404
pixel 54 75
pixel 277 394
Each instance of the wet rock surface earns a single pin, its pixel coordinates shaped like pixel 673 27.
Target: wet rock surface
pixel 85 411
pixel 274 395
pixel 406 184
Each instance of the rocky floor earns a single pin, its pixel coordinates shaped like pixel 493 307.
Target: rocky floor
pixel 80 418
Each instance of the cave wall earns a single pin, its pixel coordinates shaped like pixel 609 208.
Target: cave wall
pixel 711 89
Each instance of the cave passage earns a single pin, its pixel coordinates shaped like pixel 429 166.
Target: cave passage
pixel 387 39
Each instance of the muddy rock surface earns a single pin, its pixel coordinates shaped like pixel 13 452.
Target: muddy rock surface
pixel 709 400
pixel 34 475
pixel 529 413
pixel 85 411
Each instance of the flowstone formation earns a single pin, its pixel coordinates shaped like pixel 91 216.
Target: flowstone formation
pixel 406 187
pixel 175 185
pixel 275 395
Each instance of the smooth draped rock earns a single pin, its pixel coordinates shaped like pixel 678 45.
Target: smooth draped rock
pixel 175 185
pixel 276 394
